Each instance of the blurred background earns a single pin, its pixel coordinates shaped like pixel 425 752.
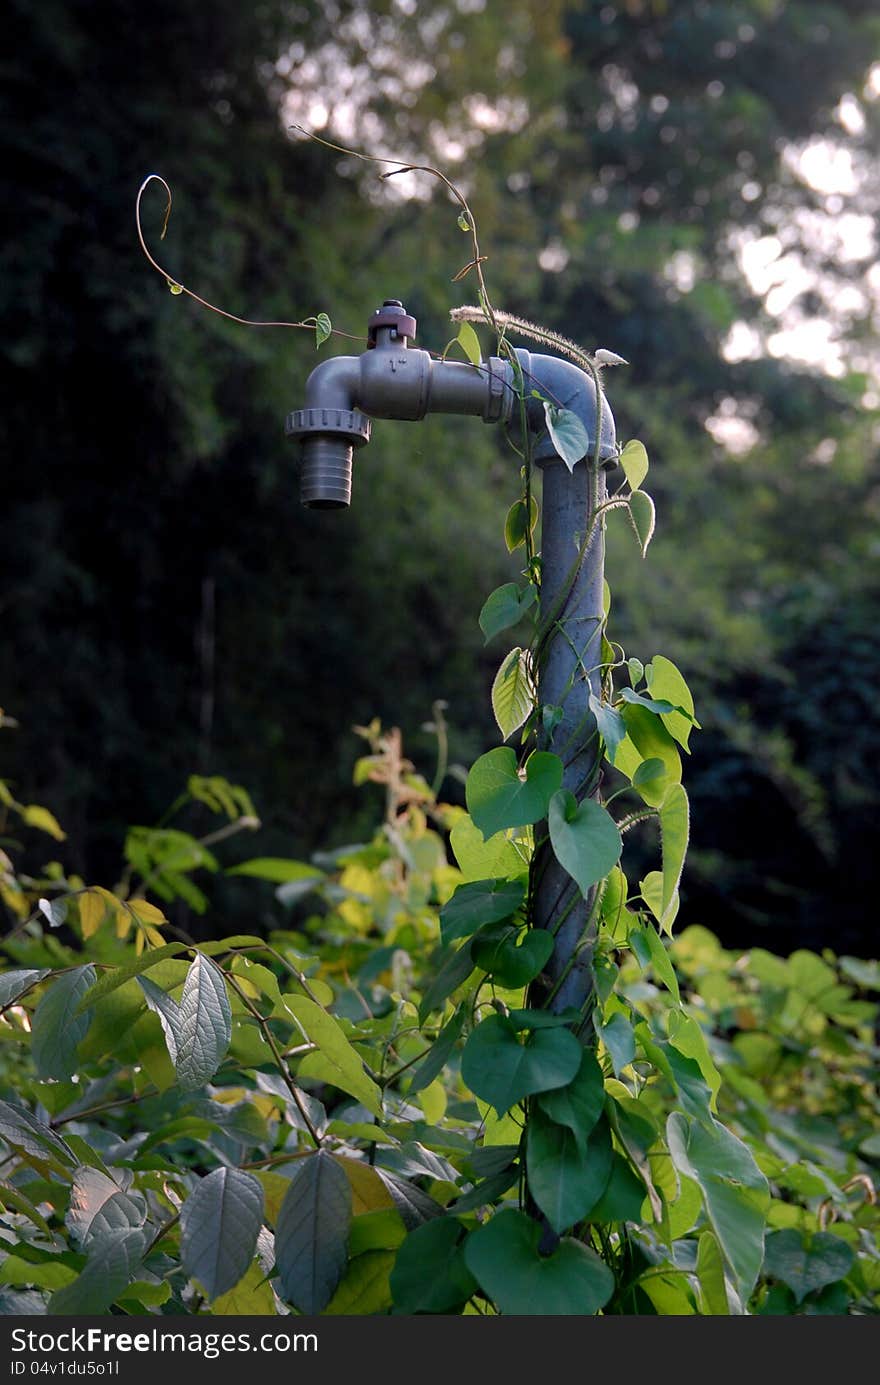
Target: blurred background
pixel 690 183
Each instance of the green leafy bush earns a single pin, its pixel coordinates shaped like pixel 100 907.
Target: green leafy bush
pixel 330 1118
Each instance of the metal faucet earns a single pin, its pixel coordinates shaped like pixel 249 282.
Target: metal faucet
pixel 393 379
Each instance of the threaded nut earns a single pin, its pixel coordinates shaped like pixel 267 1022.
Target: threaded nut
pixel 350 423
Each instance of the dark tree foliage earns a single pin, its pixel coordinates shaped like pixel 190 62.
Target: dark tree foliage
pixel 166 604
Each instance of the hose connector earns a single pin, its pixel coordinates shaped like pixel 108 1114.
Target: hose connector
pixel 329 437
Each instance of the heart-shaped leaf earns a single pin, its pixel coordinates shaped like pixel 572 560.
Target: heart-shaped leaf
pixel 806 1263
pixel 642 514
pixel 477 903
pixel 634 460
pixel 430 1274
pixel 579 1105
pixel 610 723
pixel 666 682
pixel 503 1256
pixel 584 838
pixel 505 607
pixel 501 1070
pixel 498 798
pixel 567 433
pixel 511 963
pixel 564 1179
pixel 481 860
pixel 519 522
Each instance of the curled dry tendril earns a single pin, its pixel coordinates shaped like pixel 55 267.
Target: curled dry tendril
pixel 176 286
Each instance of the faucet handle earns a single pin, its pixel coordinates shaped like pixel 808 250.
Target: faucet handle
pixel 395 323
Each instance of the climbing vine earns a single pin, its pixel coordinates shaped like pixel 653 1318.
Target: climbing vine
pixel 380 1103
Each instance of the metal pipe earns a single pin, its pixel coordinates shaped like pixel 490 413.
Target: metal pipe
pixel 392 380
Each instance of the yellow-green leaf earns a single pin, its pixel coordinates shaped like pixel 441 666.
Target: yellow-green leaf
pixel 336 1061
pixel 35 816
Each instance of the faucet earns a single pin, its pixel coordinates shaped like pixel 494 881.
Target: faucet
pixel 393 379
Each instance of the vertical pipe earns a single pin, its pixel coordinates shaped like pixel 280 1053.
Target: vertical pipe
pixel 568 672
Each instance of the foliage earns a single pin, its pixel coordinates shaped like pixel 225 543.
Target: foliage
pixel 627 143
pixel 362 1076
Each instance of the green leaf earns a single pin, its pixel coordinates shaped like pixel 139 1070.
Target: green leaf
pixel 519 523
pixel 651 780
pixel 455 968
pixel 710 1277
pixel 806 1263
pixel 91 1192
pixel 119 1214
pixel 674 834
pixel 567 433
pixel 564 1179
pixel 336 1062
pixel 505 607
pixel 219 1225
pixel 513 692
pixel 617 1036
pixel 501 1070
pixel 42 1274
pixel 464 221
pixel 503 1256
pixel 56 1026
pixel 204 1024
pixel 642 515
pixel 15 983
pixel 433 1064
pixel 648 947
pixel 584 838
pixel 513 964
pixel 498 798
pixel 469 343
pixel 430 1274
pixel 578 1105
pixel 636 670
pixel 656 708
pixel 667 683
pixel 276 869
pixel 323 329
pixel 477 903
pixel 364 1290
pixel 623 1196
pixel 162 1004
pixel 311 1238
pixel 634 460
pixel 481 860
pixel 686 1035
pixel 647 739
pixel 107 1274
pixel 611 725
pixel 652 893
pixel 119 975
pixel 251 1297
pixel 413 1205
pixel 735 1192
pixel 22 1130
pixel 175 288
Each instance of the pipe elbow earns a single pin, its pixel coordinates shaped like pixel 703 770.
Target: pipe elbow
pixel 334 384
pixel 569 387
